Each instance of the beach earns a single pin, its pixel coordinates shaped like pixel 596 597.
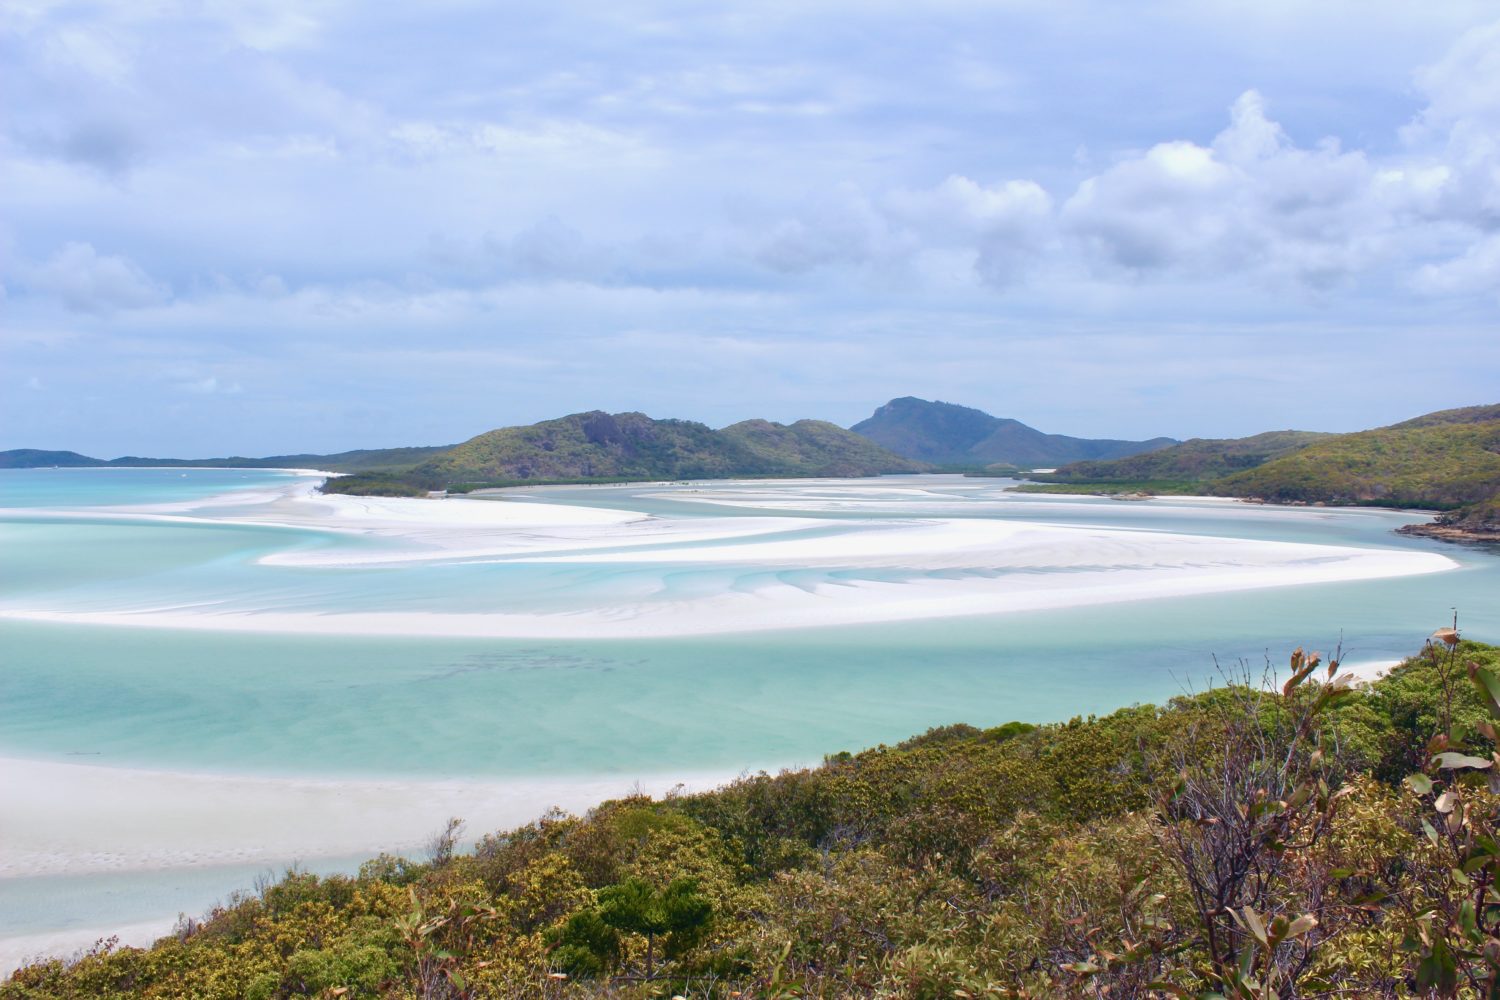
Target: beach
pixel 777 572
pixel 283 676
pixel 62 820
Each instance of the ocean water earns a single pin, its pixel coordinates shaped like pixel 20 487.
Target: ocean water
pixel 72 489
pixel 284 704
pixel 291 704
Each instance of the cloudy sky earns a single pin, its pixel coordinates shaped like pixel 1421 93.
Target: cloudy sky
pixel 230 226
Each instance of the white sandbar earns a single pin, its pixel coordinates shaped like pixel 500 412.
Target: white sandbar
pixel 863 571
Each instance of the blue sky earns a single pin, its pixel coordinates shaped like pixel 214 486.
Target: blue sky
pixel 260 227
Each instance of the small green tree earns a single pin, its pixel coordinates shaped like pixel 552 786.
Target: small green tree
pixel 586 946
pixel 589 942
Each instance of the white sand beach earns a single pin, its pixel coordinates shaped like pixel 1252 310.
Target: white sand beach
pixel 1368 671
pixel 23 948
pixel 62 819
pixel 163 819
pixel 846 572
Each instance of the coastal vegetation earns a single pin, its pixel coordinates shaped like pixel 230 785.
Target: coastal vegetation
pixel 1197 461
pixel 1446 461
pixel 598 446
pixel 1442 461
pixel 1283 834
pixel 378 484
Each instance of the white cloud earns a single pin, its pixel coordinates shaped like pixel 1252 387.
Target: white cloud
pixel 1476 271
pixel 746 175
pixel 1460 128
pixel 1464 85
pixel 960 203
pixel 88 281
pixel 1007 225
pixel 1251 203
pixel 841 230
pixel 272 25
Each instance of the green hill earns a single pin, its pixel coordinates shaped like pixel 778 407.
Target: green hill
pixel 633 446
pixel 1441 461
pixel 814 448
pixel 34 458
pixel 1297 839
pixel 1462 415
pixel 1193 461
pixel 1447 461
pixel 947 434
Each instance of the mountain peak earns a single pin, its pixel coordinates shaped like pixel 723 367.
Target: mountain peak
pixel 950 434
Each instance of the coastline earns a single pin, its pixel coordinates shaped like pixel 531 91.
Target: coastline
pixel 216 831
pixel 1364 672
pixel 1433 527
pixel 195 839
pixel 161 819
pixel 809 572
pixel 757 573
pixel 1452 533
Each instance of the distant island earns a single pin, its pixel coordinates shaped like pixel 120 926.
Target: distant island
pixel 1447 461
pixel 393 459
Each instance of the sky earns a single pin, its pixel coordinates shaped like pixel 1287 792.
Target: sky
pixel 259 227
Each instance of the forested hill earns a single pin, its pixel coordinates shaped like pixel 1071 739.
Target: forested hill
pixel 36 458
pixel 603 446
pixel 1196 461
pixel 1289 839
pixel 1447 461
pixel 1442 460
pixel 951 435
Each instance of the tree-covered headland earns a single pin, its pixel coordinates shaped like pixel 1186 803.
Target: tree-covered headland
pixel 1287 835
pixel 1448 461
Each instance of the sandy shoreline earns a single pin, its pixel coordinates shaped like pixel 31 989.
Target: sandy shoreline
pixel 1368 671
pixel 757 573
pixel 64 819
pixel 165 819
pixel 65 943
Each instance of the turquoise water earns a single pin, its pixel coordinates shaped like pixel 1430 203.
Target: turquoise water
pixel 442 707
pixel 67 489
pixel 289 704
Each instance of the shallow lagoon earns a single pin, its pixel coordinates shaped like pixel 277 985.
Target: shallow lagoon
pixel 434 707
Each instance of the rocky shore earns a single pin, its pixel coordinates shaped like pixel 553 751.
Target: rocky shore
pixel 1483 533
